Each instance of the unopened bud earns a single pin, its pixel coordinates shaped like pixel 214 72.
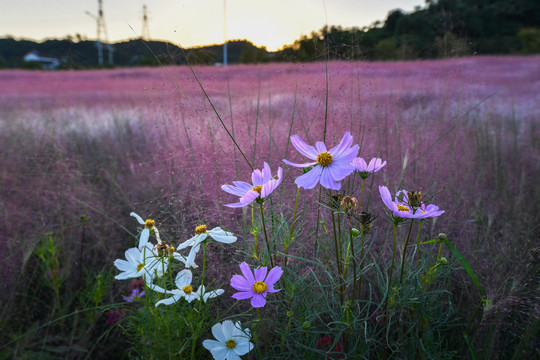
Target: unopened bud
pixel 306 325
pixel 355 232
pixel 442 236
pixel 349 204
pixel 443 261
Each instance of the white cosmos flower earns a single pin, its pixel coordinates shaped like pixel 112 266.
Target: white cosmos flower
pixel 138 263
pixel 218 234
pixel 145 234
pixel 232 342
pixel 185 290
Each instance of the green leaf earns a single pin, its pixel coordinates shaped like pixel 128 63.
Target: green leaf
pixel 465 265
pixel 471 350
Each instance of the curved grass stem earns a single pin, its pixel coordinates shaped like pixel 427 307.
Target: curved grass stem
pixel 266 235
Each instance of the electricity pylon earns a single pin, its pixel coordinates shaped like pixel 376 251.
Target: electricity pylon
pixel 101 30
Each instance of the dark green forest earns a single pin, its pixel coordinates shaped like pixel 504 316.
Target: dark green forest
pixel 441 29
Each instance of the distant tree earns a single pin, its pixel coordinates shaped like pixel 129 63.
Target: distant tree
pixel 31 65
pixel 386 49
pixel 201 57
pixel 253 54
pixel 530 40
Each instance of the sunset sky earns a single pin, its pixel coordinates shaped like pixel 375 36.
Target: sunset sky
pixel 188 23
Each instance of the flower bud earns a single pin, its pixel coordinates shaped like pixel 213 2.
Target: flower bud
pixel 442 236
pixel 355 232
pixel 443 261
pixel 349 204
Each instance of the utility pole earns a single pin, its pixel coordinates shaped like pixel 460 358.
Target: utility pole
pixel 101 30
pixel 145 35
pixel 225 32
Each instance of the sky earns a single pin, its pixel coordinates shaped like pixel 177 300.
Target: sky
pixel 189 23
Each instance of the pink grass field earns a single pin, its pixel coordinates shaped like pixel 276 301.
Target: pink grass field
pixel 104 143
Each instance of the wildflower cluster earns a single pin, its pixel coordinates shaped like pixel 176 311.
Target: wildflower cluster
pixel 329 168
pixel 151 261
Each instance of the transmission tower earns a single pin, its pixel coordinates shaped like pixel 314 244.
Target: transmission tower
pixel 145 35
pixel 102 36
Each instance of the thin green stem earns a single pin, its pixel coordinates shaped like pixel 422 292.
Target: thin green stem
pixel 196 333
pixel 404 252
pixel 361 194
pixel 351 239
pixel 266 235
pixel 263 329
pixel 471 321
pixel 338 261
pixel 363 233
pixel 418 245
pixel 392 265
pixel 291 232
pixel 255 235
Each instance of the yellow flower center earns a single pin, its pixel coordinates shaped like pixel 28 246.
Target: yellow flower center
pixel 187 289
pixel 201 229
pixel 402 208
pixel 257 188
pixel 230 344
pixel 259 287
pixel 149 223
pixel 139 267
pixel 324 158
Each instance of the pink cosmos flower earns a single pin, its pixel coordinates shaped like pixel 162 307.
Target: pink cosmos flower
pixel 135 294
pixel 330 166
pixel 365 169
pixel 255 287
pixel 263 186
pixel 408 208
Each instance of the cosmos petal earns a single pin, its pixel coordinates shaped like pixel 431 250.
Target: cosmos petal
pixel 303 165
pixel 327 181
pixel 145 235
pixel 246 271
pixel 260 274
pixel 139 219
pixel 310 179
pixel 243 295
pixel 234 190
pixel 319 145
pixel 241 283
pixel 217 331
pixel 343 145
pixel 258 301
pixel 273 275
pixel 303 148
